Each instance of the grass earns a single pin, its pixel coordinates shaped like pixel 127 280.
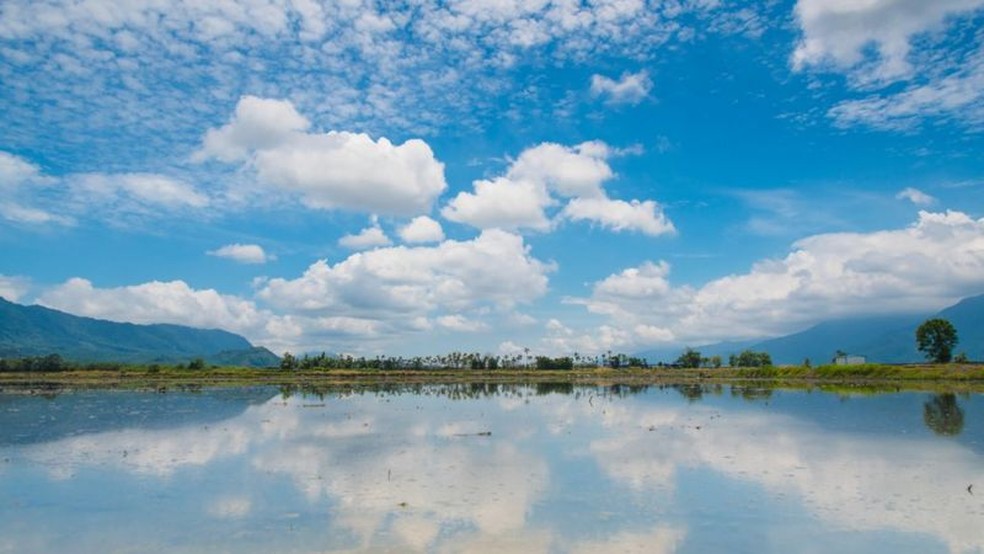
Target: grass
pixel 951 377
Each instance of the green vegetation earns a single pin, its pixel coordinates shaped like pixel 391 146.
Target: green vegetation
pixel 936 338
pixel 689 359
pixel 51 373
pixel 750 358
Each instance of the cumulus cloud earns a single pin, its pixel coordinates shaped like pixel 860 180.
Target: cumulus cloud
pixel 379 296
pixel 541 178
pixel 333 170
pixel 494 269
pixel 645 217
pixel 567 170
pixel 915 196
pixel 631 88
pixel 12 288
pixel 421 229
pixel 924 267
pixel 156 302
pixel 256 124
pixel 501 203
pixel 370 237
pixel 242 253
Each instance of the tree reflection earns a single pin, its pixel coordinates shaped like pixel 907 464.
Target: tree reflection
pixel 944 415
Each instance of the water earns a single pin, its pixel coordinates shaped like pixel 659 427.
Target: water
pixel 492 469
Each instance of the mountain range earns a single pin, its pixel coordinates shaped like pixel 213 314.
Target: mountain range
pixel 886 339
pixel 39 331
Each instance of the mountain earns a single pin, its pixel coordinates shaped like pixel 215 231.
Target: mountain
pixel 881 339
pixel 38 331
pixel 888 339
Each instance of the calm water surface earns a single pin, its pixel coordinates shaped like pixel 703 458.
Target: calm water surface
pixel 492 469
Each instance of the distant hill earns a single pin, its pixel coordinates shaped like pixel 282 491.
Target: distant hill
pixel 38 331
pixel 889 339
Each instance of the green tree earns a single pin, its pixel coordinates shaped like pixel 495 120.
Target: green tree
pixel 750 358
pixel 690 358
pixel 197 364
pixel 936 338
pixel 288 361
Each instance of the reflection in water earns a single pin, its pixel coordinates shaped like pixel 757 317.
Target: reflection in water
pixel 943 415
pixel 493 468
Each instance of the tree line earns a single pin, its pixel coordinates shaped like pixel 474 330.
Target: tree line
pixel 935 337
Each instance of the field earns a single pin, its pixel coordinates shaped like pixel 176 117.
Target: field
pixel 950 377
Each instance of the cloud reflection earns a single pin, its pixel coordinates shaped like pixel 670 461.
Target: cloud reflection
pixel 417 473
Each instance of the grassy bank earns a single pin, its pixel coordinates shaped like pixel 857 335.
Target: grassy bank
pixel 956 377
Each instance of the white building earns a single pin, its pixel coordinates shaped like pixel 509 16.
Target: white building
pixel 850 359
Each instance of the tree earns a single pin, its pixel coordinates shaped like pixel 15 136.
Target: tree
pixel 936 338
pixel 750 358
pixel 690 358
pixel 288 361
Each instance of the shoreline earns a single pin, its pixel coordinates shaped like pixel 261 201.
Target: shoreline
pixel 915 377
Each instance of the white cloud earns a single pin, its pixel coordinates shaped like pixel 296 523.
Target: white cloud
pixel 915 196
pixel 156 302
pixel 957 95
pixel 12 288
pixel 23 214
pixel 879 43
pixel 631 88
pixel 645 217
pixel 370 237
pixel 501 203
pixel 841 32
pixel 16 175
pixel 379 296
pixel 934 262
pixel 393 69
pixel 257 124
pixel 242 253
pixel 421 229
pixel 567 170
pixel 541 178
pixel 329 170
pixel 230 507
pixel 398 282
pixel 660 540
pixel 130 189
pixel 461 324
pixel 15 171
pixel 35 198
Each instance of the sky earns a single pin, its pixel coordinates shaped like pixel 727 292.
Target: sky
pixel 424 176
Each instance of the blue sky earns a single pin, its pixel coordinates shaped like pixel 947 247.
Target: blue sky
pixel 491 175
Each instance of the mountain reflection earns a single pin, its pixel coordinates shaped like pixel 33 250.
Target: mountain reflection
pixel 539 468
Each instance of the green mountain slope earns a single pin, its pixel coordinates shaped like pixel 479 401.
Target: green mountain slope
pixel 37 331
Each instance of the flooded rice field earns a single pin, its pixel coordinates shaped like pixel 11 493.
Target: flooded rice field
pixel 482 468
